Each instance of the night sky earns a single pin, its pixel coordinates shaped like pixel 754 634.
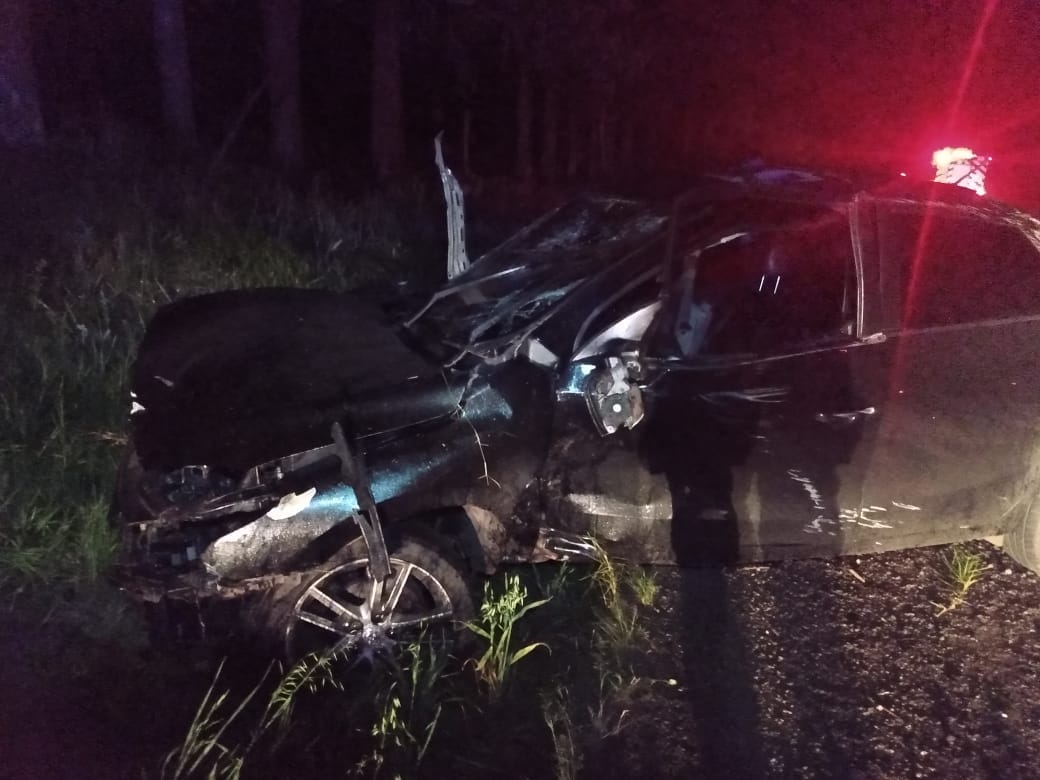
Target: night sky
pixel 866 84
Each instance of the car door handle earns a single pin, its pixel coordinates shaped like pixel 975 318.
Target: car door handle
pixel 846 417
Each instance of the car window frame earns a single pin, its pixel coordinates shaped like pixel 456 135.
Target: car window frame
pixel 895 296
pixel 853 216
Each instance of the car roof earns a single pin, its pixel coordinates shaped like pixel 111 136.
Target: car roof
pixel 801 185
pixel 963 203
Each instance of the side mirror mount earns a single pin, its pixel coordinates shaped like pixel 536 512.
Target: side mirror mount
pixel 613 398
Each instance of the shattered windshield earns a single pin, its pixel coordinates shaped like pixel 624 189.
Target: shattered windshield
pixel 515 285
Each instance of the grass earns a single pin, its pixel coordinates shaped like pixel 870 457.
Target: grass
pixel 420 712
pixel 603 617
pixel 209 746
pixel 644 585
pixel 408 711
pixel 203 748
pixel 567 753
pixel 618 627
pixel 62 434
pixel 964 569
pixel 499 614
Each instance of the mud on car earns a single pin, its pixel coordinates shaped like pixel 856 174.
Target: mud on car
pixel 771 366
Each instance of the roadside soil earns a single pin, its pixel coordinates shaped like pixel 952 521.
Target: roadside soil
pixel 824 668
pixel 840 668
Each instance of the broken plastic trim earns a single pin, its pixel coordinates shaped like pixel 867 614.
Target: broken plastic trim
pixel 367 517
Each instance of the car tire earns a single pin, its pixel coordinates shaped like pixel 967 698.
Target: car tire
pixel 1023 541
pixel 432 582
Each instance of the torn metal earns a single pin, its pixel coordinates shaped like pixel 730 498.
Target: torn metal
pixel 458 262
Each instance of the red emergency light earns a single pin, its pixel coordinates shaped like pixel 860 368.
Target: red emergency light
pixel 961 166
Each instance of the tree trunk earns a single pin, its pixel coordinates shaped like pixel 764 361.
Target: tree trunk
pixel 21 121
pixel 604 143
pixel 574 144
pixel 282 44
pixel 171 49
pixel 550 125
pixel 467 141
pixel 523 127
pixel 689 121
pixel 387 104
pixel 627 144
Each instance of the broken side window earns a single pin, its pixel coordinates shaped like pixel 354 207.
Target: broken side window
pixel 956 269
pixel 767 291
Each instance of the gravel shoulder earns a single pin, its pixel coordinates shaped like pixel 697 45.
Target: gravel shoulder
pixel 841 668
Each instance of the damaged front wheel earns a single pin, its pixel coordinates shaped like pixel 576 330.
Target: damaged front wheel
pixel 343 610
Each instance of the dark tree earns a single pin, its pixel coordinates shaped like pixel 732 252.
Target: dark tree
pixel 20 119
pixel 550 131
pixel 387 105
pixel 524 124
pixel 171 46
pixel 281 20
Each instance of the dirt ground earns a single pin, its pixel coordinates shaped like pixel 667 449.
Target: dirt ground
pixel 838 668
pixel 804 669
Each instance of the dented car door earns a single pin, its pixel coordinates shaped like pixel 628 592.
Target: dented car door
pixel 755 413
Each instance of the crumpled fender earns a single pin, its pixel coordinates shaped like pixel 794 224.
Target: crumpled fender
pixel 237 378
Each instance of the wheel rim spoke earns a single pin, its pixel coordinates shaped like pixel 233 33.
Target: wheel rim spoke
pixel 395 592
pixel 407 621
pixel 316 620
pixel 343 610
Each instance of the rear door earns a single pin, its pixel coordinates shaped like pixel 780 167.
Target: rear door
pixel 958 376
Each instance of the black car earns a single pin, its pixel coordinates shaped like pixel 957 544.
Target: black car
pixel 776 364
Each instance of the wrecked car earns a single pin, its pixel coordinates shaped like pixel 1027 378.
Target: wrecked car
pixel 771 366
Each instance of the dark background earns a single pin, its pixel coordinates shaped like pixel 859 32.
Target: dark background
pixel 582 90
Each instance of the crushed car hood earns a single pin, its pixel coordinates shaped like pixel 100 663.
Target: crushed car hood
pixel 236 378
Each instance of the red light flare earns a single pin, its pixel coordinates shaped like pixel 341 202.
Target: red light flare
pixel 961 166
pixel 977 43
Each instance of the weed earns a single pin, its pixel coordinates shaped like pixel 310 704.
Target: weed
pixel 556 711
pixel 43 543
pixel 202 746
pixel 312 672
pixel 499 614
pixel 408 710
pixel 617 627
pixel 643 583
pixel 605 719
pixel 606 576
pixel 557 586
pixel 963 569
